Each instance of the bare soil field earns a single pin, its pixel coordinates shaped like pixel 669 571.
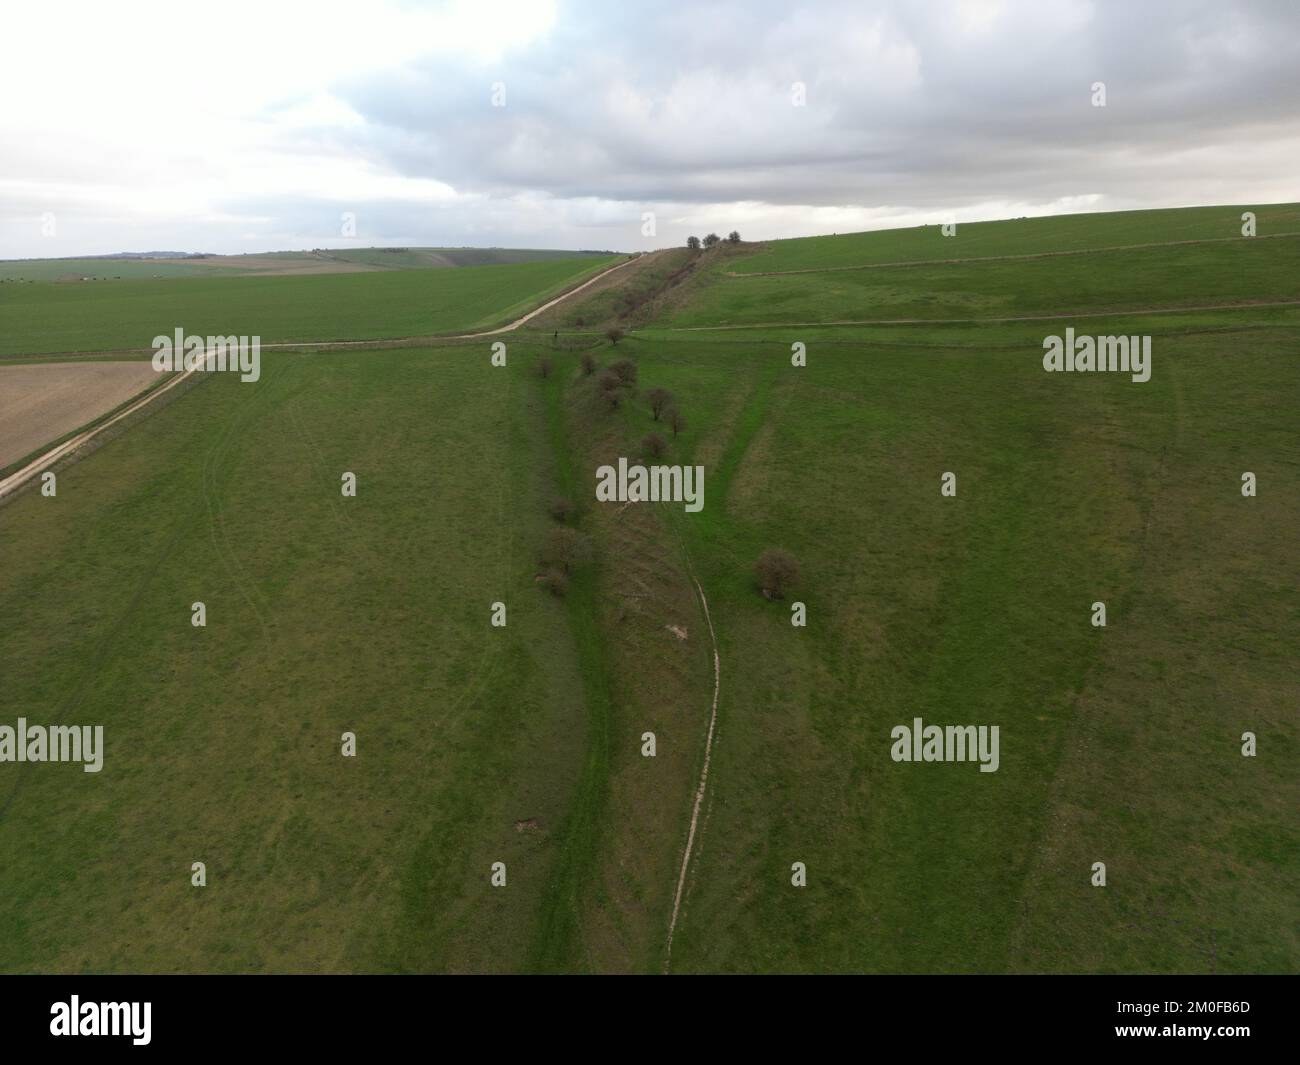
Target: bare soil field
pixel 43 401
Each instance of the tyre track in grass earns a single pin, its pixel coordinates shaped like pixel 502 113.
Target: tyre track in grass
pixel 485 672
pixel 1067 766
pixel 219 533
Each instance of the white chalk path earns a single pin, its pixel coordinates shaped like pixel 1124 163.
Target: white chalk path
pixel 704 776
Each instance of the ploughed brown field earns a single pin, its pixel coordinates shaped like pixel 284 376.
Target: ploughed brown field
pixel 41 402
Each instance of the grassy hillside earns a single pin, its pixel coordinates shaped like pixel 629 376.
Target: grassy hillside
pixel 1178 276
pixel 1021 236
pixel 55 317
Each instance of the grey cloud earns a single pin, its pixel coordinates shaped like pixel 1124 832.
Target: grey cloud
pixel 683 107
pixel 628 103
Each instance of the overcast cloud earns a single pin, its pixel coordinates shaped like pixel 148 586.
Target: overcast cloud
pixel 241 126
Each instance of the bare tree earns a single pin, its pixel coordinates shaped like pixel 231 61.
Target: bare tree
pixel 654 445
pixel 676 419
pixel 660 400
pixel 544 367
pixel 611 387
pixel 615 334
pixel 693 243
pixel 626 371
pixel 711 240
pixel 777 572
pixel 734 237
pixel 588 364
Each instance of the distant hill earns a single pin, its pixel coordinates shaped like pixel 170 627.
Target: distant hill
pixel 415 258
pixel 172 264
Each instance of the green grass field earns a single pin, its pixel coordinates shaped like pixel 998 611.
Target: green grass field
pixel 325 614
pixel 92 317
pixel 30 270
pixel 1119 745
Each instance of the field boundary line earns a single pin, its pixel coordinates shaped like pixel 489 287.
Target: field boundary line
pixel 979 321
pixel 704 775
pixel 1001 258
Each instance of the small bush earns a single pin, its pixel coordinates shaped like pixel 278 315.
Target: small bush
pixel 556 582
pixel 611 387
pixel 654 445
pixel 676 419
pixel 562 510
pixel 777 572
pixel 564 549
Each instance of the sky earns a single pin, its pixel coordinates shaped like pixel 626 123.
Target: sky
pixel 239 126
